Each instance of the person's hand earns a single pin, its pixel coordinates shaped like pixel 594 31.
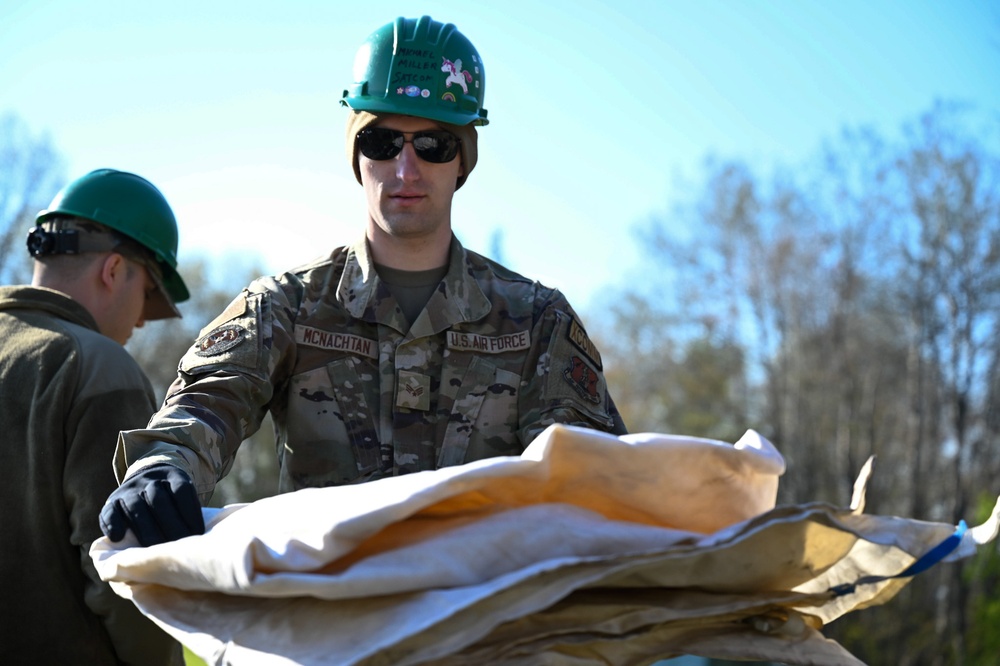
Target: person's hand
pixel 157 504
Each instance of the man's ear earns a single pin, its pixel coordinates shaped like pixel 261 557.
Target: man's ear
pixel 113 270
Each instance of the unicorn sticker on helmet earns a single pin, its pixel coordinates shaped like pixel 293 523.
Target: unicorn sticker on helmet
pixel 456 74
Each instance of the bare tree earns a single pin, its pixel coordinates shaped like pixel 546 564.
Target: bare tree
pixel 31 172
pixel 951 248
pixel 860 294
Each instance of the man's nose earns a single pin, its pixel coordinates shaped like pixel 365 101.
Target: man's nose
pixel 407 163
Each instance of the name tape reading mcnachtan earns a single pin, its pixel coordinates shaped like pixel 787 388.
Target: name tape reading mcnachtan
pixel 352 344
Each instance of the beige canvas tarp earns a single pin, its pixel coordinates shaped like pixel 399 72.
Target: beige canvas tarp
pixel 587 549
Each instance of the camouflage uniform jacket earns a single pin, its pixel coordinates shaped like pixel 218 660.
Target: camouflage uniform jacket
pixel 356 393
pixel 65 393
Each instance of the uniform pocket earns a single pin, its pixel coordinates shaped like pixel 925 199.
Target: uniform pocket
pixel 331 428
pixel 355 384
pixel 483 420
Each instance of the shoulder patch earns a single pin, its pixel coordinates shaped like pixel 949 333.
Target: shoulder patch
pixel 583 379
pixel 220 340
pixel 579 338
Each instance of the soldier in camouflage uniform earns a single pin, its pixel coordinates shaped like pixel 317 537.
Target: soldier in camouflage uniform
pixel 401 353
pixel 105 258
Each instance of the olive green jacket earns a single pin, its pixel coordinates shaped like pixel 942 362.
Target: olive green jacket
pixel 65 393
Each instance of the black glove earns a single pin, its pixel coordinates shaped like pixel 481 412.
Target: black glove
pixel 158 504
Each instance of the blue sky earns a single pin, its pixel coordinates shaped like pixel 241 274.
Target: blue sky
pixel 596 108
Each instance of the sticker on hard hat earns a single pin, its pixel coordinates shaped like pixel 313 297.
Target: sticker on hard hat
pixel 456 74
pixel 220 340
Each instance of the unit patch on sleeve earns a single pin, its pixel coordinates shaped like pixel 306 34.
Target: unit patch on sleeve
pixel 579 338
pixel 583 378
pixel 220 340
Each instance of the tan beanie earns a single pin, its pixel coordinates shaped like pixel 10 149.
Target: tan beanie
pixel 358 120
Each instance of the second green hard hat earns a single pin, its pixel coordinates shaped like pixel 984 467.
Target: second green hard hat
pixel 132 206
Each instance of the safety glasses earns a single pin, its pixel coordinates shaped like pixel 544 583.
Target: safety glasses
pixel 381 143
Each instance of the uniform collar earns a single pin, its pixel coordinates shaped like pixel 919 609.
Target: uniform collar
pixel 366 297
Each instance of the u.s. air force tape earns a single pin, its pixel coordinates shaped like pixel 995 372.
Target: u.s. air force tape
pixel 489 344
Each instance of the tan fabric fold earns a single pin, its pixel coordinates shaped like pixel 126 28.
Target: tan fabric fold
pixel 587 549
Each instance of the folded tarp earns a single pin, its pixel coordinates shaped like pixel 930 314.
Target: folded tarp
pixel 586 549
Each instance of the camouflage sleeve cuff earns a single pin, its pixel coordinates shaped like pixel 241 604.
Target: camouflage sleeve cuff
pixel 131 457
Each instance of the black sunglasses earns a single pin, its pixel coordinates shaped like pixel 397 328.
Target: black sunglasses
pixel 381 143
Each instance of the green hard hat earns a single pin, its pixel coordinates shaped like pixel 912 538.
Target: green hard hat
pixel 419 67
pixel 130 205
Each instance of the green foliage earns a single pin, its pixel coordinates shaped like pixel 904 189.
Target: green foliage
pixel 709 391
pixel 191 659
pixel 982 576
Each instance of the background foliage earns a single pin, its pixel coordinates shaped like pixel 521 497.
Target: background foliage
pixel 847 308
